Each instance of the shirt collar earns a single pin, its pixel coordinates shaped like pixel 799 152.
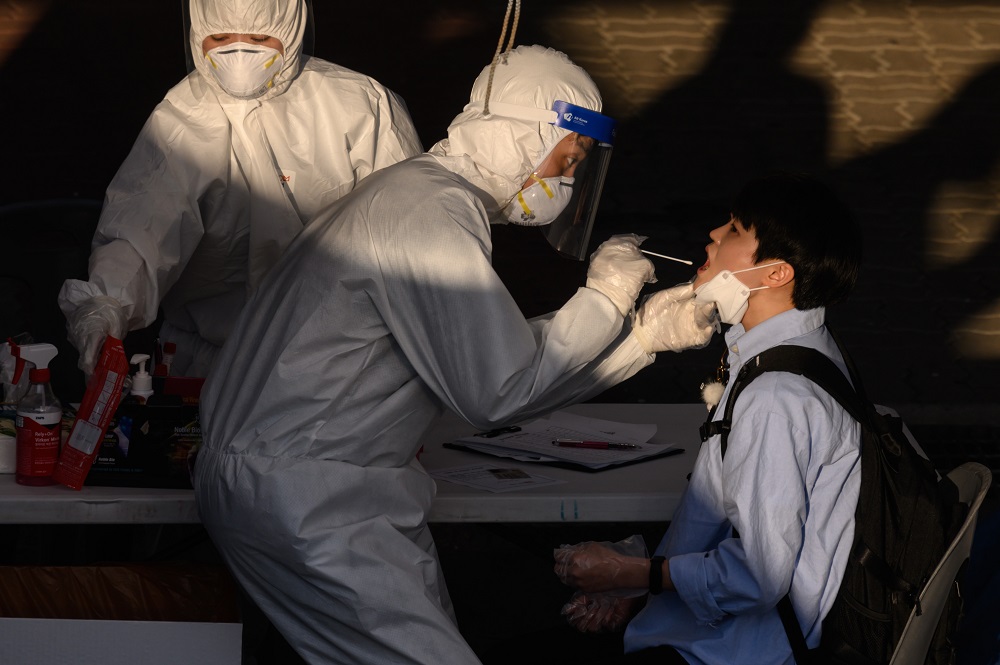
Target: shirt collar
pixel 772 332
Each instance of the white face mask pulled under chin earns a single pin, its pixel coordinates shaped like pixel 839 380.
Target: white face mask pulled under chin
pixel 539 203
pixel 730 296
pixel 245 71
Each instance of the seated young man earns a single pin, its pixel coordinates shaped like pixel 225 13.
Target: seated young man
pixel 791 475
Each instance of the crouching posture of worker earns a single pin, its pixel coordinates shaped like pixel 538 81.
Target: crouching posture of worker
pixel 384 312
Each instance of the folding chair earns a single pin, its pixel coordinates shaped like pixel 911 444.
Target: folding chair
pixel 973 481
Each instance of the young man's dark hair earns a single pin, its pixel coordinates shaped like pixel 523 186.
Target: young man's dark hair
pixel 792 215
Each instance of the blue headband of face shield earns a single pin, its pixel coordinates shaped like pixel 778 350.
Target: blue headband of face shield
pixel 564 115
pixel 584 121
pixel 570 233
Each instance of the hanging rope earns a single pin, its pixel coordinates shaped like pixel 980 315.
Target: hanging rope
pixel 501 51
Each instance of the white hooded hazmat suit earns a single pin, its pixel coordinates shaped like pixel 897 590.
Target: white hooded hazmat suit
pixel 216 187
pixel 381 314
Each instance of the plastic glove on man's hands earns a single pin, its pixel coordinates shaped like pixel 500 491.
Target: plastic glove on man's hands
pixel 593 567
pixel 671 320
pixel 613 579
pixel 90 323
pixel 597 613
pixel 618 270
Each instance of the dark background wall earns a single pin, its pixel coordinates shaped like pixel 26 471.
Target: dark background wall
pixel 893 102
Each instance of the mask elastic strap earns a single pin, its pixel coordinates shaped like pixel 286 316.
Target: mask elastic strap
pixel 524 204
pixel 766 265
pixel 516 4
pixel 544 185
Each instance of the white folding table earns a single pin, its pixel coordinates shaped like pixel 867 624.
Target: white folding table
pixel 647 491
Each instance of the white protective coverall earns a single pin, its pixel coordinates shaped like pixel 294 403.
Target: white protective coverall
pixel 216 187
pixel 383 312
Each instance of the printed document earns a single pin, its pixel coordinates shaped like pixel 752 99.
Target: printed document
pixel 533 441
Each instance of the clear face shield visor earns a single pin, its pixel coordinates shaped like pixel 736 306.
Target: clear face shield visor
pixel 570 232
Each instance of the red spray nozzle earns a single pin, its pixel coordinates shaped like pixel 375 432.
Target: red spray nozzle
pixel 15 351
pixel 37 354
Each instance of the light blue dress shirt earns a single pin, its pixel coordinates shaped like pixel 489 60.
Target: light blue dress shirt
pixel 789 484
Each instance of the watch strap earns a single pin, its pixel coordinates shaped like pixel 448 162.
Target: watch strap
pixel 656 574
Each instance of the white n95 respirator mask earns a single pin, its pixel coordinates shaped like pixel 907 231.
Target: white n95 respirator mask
pixel 245 70
pixel 541 202
pixel 730 296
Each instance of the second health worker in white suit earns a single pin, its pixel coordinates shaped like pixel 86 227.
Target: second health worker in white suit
pixel 230 166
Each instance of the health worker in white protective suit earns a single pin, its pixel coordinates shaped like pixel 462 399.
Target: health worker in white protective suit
pixel 226 171
pixel 384 312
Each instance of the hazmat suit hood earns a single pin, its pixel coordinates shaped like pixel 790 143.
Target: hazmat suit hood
pixel 283 19
pixel 497 154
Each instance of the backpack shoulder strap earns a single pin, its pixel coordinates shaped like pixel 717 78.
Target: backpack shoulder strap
pixel 800 360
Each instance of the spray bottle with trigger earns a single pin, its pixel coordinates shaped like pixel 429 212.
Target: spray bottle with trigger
pixel 39 417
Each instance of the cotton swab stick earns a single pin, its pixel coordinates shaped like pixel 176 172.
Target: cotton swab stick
pixel 664 256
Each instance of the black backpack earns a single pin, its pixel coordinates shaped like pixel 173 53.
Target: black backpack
pixel 905 521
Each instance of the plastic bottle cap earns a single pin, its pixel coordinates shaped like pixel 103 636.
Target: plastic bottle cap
pixel 39 375
pixel 37 354
pixel 142 382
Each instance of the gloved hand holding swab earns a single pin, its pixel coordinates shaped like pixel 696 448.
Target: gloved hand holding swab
pixel 664 256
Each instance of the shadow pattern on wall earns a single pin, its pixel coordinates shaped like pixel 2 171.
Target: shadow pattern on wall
pixel 678 162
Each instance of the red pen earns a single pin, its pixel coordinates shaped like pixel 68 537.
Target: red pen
pixel 599 445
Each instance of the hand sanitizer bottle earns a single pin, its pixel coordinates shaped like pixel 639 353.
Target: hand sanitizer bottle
pixel 142 382
pixel 39 418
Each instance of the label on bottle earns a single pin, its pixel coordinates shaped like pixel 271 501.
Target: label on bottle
pixel 38 437
pixel 92 418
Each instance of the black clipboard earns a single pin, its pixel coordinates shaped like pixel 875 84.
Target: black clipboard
pixel 562 464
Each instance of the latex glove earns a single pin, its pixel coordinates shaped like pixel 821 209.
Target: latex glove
pixel 90 323
pixel 671 320
pixel 618 270
pixel 593 567
pixel 596 613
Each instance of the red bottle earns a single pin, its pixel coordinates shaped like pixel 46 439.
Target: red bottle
pixel 39 417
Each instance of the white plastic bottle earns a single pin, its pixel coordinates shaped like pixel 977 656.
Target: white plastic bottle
pixel 39 419
pixel 142 382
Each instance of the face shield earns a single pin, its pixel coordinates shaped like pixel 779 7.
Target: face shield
pixel 570 232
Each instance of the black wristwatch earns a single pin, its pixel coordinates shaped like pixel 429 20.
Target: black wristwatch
pixel 656 575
